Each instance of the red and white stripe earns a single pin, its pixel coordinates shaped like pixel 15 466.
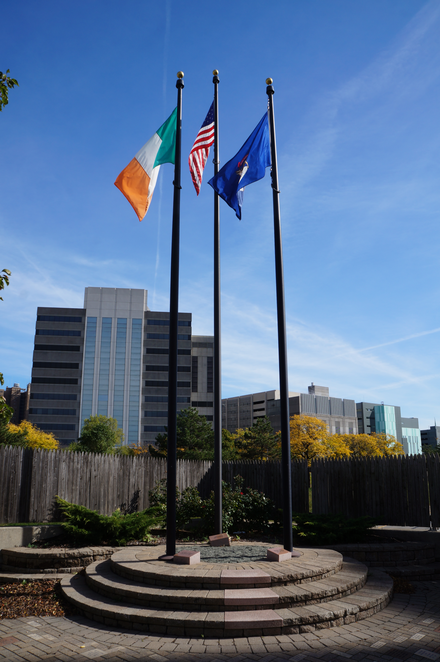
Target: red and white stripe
pixel 199 154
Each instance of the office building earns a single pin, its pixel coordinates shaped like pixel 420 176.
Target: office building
pixel 387 419
pixel 18 399
pixel 431 437
pixel 243 411
pixel 111 357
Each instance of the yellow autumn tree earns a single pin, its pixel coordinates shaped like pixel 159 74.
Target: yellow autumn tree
pixel 388 445
pixel 359 445
pixel 336 447
pixel 309 438
pixel 370 445
pixel 35 438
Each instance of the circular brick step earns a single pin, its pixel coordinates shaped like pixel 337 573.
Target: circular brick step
pixel 375 595
pixel 101 578
pixel 136 590
pixel 143 565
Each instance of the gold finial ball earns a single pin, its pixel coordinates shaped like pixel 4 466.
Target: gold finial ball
pixel 180 74
pixel 215 72
pixel 269 81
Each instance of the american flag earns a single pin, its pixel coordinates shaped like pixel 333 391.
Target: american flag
pixel 199 153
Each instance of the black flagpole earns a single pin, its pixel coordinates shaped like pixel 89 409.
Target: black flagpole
pixel 174 312
pixel 282 347
pixel 217 331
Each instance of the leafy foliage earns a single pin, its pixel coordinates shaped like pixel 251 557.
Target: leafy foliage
pixel 99 434
pixel 132 450
pixel 388 445
pixel 258 442
pixel 6 84
pixel 9 437
pixel 427 449
pixel 35 438
pixel 319 530
pixel 87 526
pixel 188 503
pixel 4 280
pixel 309 438
pixel 371 445
pixel 195 438
pixel 243 509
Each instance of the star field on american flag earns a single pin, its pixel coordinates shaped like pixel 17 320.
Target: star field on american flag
pixel 200 150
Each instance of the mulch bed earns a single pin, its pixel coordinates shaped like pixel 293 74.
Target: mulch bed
pixel 40 597
pixel 402 585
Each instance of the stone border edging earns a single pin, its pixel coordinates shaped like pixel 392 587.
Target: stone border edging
pixel 30 560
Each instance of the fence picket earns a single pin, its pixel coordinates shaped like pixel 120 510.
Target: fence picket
pixel 395 490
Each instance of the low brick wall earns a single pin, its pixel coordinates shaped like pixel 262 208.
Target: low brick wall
pixel 389 555
pixel 20 536
pixel 29 560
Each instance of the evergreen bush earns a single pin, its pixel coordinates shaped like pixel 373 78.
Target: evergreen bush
pixel 87 526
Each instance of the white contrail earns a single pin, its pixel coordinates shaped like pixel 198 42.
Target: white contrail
pixel 404 339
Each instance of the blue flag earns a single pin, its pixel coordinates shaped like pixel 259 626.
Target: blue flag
pixel 248 166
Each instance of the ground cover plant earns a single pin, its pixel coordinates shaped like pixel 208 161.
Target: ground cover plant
pixel 87 526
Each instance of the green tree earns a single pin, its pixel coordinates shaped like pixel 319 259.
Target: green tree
pixel 100 434
pixel 427 449
pixel 6 84
pixel 229 446
pixel 10 437
pixel 258 442
pixel 195 438
pixel 4 280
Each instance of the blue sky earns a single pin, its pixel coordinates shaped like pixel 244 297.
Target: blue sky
pixel 357 117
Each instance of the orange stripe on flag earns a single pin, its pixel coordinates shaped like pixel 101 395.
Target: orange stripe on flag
pixel 134 183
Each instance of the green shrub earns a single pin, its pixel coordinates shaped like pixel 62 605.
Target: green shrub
pixel 87 526
pixel 244 510
pixel 309 529
pixel 188 503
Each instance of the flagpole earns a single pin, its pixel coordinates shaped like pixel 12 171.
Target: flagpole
pixel 286 462
pixel 217 332
pixel 174 313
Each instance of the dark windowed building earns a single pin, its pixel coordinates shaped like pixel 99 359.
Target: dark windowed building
pixel 18 399
pixel 111 358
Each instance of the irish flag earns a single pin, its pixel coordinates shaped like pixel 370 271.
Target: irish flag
pixel 138 179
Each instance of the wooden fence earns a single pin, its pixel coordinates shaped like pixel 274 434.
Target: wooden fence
pixel 401 490
pixel 30 480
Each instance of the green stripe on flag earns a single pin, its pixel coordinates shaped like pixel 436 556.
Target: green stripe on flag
pixel 167 132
